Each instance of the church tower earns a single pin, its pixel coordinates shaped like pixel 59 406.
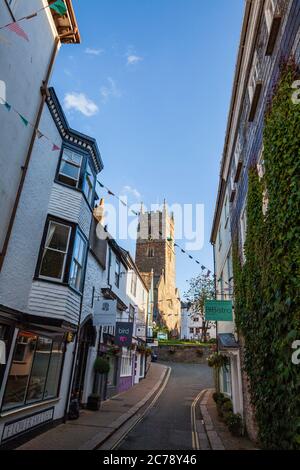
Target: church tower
pixel 155 252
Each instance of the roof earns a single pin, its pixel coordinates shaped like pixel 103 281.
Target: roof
pixel 227 341
pixel 89 144
pixel 66 25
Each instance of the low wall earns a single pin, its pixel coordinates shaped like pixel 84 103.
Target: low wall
pixel 182 353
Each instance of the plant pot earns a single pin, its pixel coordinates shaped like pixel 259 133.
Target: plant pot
pixel 94 402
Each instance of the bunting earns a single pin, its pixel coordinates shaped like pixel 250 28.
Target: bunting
pixel 16 28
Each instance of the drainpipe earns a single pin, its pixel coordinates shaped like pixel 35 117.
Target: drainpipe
pixel 29 153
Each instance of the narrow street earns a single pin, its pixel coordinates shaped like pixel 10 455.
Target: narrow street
pixel 168 424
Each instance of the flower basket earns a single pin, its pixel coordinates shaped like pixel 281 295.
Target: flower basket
pixel 216 360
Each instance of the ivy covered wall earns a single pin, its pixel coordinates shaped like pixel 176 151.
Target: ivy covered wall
pixel 267 285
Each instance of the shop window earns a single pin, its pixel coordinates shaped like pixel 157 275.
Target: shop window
pixel 126 364
pixel 35 370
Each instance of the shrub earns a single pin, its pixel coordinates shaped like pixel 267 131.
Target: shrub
pixel 227 406
pixel 101 365
pixel 217 396
pixel 235 424
pixel 216 360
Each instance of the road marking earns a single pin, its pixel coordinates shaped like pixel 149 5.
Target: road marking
pixel 141 416
pixel 195 438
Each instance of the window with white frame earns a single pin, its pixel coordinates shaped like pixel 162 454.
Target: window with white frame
pixel 254 76
pixel 55 251
pixel 269 12
pixel 226 211
pixel 78 261
pixel 89 183
pixel 226 375
pixel 243 225
pixel 117 272
pixel 133 283
pixel 70 167
pixel 126 363
pixel 220 237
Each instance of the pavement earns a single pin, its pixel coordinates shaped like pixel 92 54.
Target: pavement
pixel 93 428
pixel 171 409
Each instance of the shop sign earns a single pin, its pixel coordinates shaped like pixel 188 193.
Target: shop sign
pixel 140 330
pixel 22 425
pixel 105 312
pixel 218 310
pixel 123 336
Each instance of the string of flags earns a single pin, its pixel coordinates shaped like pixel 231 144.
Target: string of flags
pixel 58 6
pixel 111 193
pixel 25 121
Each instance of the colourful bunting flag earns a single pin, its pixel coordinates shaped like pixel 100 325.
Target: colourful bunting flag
pixel 16 28
pixel 110 192
pixel 55 148
pixel 60 7
pixel 191 257
pixel 198 262
pixel 39 134
pixel 25 122
pixel 182 250
pixel 208 273
pixel 202 267
pixel 100 184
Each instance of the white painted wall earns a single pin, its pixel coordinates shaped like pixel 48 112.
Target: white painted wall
pixel 20 262
pixel 23 66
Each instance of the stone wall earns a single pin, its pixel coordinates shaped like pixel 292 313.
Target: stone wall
pixel 181 353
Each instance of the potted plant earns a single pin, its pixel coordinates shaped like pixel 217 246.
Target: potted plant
pixel 101 365
pixel 94 402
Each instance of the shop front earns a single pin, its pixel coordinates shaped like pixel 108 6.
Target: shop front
pixel 35 372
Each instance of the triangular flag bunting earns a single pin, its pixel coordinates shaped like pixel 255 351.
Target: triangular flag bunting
pixel 8 106
pixel 55 148
pixel 191 257
pixel 25 122
pixel 208 273
pixel 39 134
pixel 102 185
pixel 202 267
pixel 59 6
pixel 124 203
pixel 182 250
pixel 16 28
pixel 198 262
pixel 110 192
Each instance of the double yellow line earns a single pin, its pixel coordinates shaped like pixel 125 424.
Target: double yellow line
pixel 195 438
pixel 141 416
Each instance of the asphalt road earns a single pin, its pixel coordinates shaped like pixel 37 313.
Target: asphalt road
pixel 168 424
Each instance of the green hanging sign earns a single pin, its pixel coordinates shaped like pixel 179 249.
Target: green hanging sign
pixel 218 310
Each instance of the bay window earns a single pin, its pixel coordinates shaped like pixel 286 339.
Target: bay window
pixel 63 254
pixel 76 171
pixel 55 251
pixel 70 167
pixel 78 261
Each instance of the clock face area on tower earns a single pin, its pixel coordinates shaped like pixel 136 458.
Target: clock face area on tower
pixel 155 254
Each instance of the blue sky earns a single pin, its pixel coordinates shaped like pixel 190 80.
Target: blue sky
pixel 151 81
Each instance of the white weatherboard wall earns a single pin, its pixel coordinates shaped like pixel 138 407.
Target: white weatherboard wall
pixel 23 66
pixel 19 265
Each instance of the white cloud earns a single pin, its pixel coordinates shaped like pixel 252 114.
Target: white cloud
pixel 92 51
pixel 110 91
pixel 133 59
pixel 129 190
pixel 80 102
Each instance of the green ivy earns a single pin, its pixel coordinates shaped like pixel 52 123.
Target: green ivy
pixel 267 285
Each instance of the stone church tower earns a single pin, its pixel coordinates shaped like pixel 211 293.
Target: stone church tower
pixel 155 253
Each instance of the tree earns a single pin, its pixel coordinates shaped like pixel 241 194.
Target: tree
pixel 201 288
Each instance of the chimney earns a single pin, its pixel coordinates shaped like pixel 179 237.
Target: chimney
pixel 99 212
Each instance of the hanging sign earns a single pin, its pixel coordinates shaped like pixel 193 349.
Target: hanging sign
pixel 105 312
pixel 123 335
pixel 218 310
